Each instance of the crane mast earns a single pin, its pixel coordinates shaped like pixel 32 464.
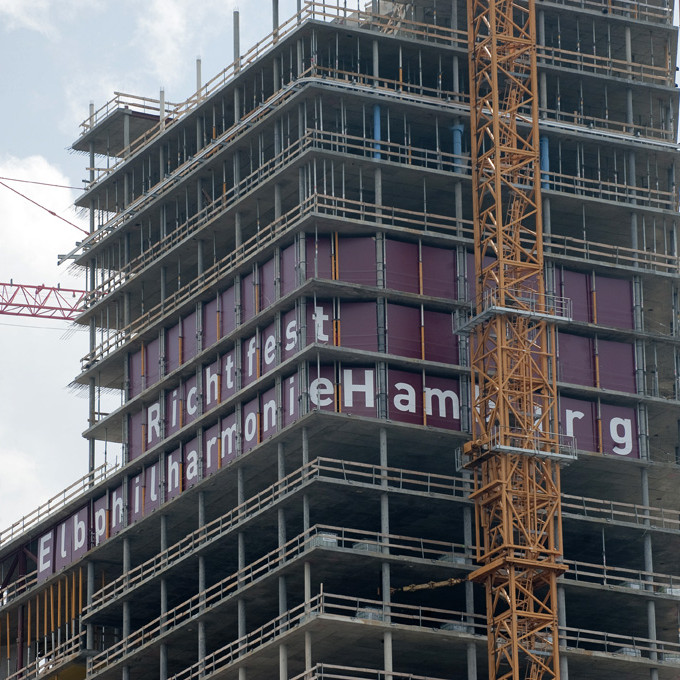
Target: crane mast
pixel 515 449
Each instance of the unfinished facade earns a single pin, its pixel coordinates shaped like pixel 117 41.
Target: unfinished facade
pixel 279 268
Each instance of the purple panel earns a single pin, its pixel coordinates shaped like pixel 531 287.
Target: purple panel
pixel 135 370
pixel 358 391
pixel 577 419
pixel 439 272
pixel 357 260
pixel 267 284
pixel 211 385
pixel 173 474
pixel 100 520
pixel 173 408
pixel 135 446
pixel 321 388
pixel 576 286
pixel 191 464
pixel 289 387
pixel 227 312
pixel 401 266
pixel 405 391
pixel 136 497
pixel 152 491
pixel 619 431
pixel 576 362
pixel 249 360
pixel 116 511
pixel 268 348
pixel 268 409
pixel 46 555
pixel 442 403
pixel 228 361
pixel 470 277
pixel 289 334
pixel 211 449
pixel 189 337
pixel 617 365
pixel 614 302
pixel 62 548
pixel 153 356
pixel 247 297
pixel 359 325
pixel 288 270
pixel 319 322
pixel 250 426
pixel 191 400
pixel 209 323
pixel 80 523
pixel 171 348
pixel 403 331
pixel 318 257
pixel 154 425
pixel 441 344
pixel 230 437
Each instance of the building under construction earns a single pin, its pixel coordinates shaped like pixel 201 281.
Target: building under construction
pixel 290 291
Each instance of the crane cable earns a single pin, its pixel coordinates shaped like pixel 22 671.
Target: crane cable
pixel 51 212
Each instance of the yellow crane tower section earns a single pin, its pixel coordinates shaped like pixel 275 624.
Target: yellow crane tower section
pixel 515 449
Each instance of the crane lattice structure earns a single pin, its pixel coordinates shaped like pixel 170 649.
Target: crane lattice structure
pixel 41 302
pixel 515 449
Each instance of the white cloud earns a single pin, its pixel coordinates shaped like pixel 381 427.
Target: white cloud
pixel 33 15
pixel 172 32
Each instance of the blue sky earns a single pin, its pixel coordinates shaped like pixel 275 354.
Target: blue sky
pixel 57 56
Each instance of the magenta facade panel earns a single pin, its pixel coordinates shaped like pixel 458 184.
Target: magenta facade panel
pixel 172 349
pixel 288 270
pixel 189 337
pixel 617 365
pixel 576 359
pixel 614 302
pixel 267 274
pixel 318 257
pixel 402 266
pixel 228 311
pixel 209 324
pixel 441 343
pixel 358 322
pixel 439 272
pixel 357 261
pixel 247 297
pixel 403 331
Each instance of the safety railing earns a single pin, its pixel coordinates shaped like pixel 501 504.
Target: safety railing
pixel 610 191
pixel 56 503
pixel 629 513
pixel 661 11
pixel 620 645
pixel 608 253
pixel 319 536
pixel 128 102
pixel 633 579
pixel 387 216
pixel 320 468
pixel 342 607
pixel 603 65
pixel 324 671
pixel 52 661
pixel 312 139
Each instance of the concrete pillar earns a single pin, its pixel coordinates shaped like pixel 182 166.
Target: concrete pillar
pixel 469 596
pixel 237 42
pixel 562 621
pixel 89 631
pixel 275 19
pixel 163 651
pixel 277 201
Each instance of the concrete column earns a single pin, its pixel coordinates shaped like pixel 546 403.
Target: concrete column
pixel 238 235
pixel 163 651
pixel 562 621
pixel 277 201
pixel 161 108
pixel 385 567
pixel 469 594
pixel 89 631
pixel 126 604
pixel 241 605
pixel 275 18
pixel 201 581
pixel 237 41
pixel 649 567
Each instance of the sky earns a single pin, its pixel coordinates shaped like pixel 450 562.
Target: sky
pixel 58 56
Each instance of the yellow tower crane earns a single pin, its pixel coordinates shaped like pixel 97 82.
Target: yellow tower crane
pixel 515 451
